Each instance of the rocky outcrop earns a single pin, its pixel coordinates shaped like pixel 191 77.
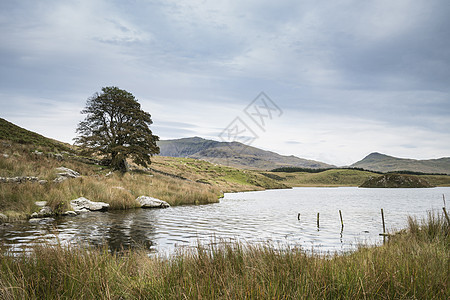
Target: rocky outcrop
pixel 65 173
pixel 82 204
pixel 19 179
pixel 150 202
pixel 396 181
pixel 45 211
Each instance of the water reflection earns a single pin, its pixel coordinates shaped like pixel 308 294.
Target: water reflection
pixel 284 217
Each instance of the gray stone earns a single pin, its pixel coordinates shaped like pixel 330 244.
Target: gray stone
pixel 150 202
pixel 66 172
pixel 45 211
pixel 40 220
pixel 41 203
pixel 60 179
pixel 3 218
pixel 43 181
pixel 37 153
pixel 69 213
pixel 82 204
pixel 5 155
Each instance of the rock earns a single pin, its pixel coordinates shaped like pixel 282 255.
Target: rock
pixel 45 211
pixel 69 213
pixel 60 179
pixel 3 218
pixel 66 172
pixel 150 202
pixel 5 155
pixel 37 153
pixel 43 181
pixel 21 179
pixel 82 204
pixel 56 156
pixel 41 203
pixel 40 220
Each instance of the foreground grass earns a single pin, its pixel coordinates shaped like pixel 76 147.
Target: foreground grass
pixel 413 265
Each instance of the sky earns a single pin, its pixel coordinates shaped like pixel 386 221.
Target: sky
pixel 340 79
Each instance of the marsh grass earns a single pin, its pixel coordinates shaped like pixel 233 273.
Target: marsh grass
pixel 413 265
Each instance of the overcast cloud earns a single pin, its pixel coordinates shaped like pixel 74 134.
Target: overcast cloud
pixel 351 77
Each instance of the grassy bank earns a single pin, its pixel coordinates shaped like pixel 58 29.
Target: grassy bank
pixel 413 265
pixel 177 181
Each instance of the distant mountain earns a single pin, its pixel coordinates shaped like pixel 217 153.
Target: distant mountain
pixel 233 154
pixel 385 163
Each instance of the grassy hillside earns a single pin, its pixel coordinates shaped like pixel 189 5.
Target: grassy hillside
pixel 385 163
pixel 175 180
pixel 233 154
pixel 13 133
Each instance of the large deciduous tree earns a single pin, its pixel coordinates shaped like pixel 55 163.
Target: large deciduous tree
pixel 116 128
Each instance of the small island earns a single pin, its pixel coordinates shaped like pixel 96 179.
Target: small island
pixel 396 181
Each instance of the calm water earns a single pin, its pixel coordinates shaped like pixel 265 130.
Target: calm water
pixel 249 217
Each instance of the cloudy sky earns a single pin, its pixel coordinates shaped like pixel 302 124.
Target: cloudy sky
pixel 349 77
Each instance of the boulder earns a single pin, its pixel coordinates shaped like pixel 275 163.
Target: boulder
pixel 45 211
pixel 65 173
pixel 150 202
pixel 3 218
pixel 82 205
pixel 41 203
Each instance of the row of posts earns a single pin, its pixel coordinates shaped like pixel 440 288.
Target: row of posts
pixel 382 218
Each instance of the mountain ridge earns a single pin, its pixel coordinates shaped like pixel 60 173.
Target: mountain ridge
pixel 380 162
pixel 233 154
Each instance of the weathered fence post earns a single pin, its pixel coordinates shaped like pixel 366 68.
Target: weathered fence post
pixel 298 217
pixel 382 218
pixel 317 220
pixel 342 221
pixel 446 215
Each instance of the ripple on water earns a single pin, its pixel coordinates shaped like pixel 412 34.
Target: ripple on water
pixel 254 217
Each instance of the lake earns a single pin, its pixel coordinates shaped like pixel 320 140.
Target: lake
pixel 253 217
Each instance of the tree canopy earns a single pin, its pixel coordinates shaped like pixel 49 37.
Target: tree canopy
pixel 116 127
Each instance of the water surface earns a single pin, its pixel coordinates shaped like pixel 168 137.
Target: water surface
pixel 254 217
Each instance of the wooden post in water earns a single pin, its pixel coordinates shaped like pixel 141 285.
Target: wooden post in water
pixel 446 215
pixel 317 220
pixel 443 198
pixel 298 217
pixel 342 221
pixel 382 218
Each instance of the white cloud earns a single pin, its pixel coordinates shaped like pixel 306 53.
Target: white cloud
pixel 342 71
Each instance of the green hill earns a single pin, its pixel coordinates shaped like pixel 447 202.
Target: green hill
pixel 13 133
pixel 385 163
pixel 233 154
